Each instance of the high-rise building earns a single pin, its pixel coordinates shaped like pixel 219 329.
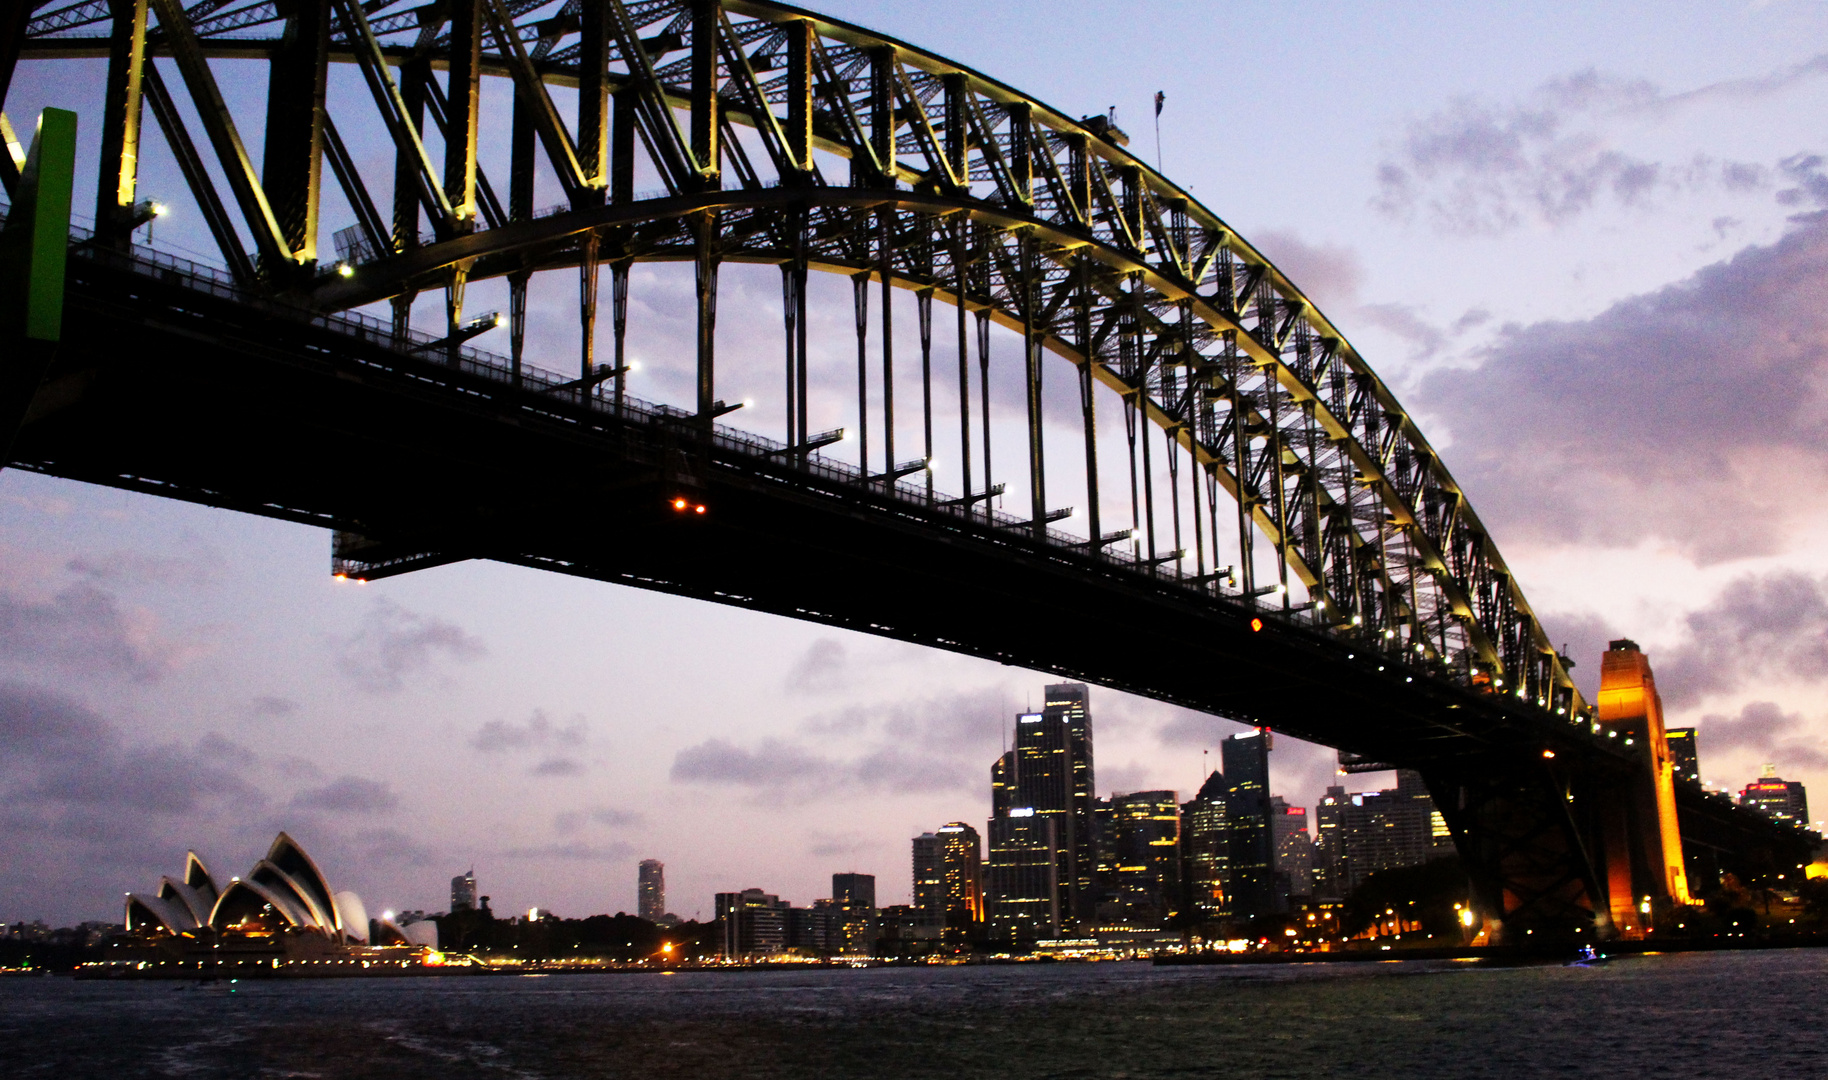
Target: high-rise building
pixel 463 891
pixel 751 924
pixel 1779 799
pixel 1141 839
pixel 1369 831
pixel 1684 755
pixel 1206 849
pixel 854 890
pixel 961 873
pixel 1023 894
pixel 1049 773
pixel 1330 881
pixel 650 890
pixel 1244 759
pixel 929 879
pixel 1294 847
pixel 1003 784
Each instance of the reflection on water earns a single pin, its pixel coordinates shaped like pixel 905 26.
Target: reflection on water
pixel 1734 1014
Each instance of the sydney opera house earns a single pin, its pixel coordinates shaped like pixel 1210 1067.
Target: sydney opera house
pixel 283 917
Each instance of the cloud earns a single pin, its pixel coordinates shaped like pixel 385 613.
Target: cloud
pixel 268 706
pixel 559 766
pixel 942 743
pixel 1711 392
pixel 1762 728
pixel 83 628
pixel 822 669
pixel 135 567
pixel 1759 628
pixel 572 821
pixel 1475 167
pixel 498 736
pixel 348 795
pixel 394 643
pixel 63 759
pixel 1330 275
pixel 576 850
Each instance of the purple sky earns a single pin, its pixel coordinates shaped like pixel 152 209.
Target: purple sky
pixel 1585 242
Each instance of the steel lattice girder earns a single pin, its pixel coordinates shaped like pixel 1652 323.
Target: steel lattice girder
pixel 1236 363
pixel 1224 351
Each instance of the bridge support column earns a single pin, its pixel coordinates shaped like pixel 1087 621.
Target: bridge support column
pixel 1642 839
pixel 705 277
pixel 122 112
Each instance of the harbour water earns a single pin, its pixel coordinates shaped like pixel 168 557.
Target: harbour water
pixel 1688 1015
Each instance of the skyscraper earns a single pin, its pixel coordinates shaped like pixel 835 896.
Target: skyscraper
pixel 751 923
pixel 1369 831
pixel 1143 842
pixel 961 871
pixel 1244 759
pixel 1684 755
pixel 1330 844
pixel 929 881
pixel 1206 849
pixel 463 891
pixel 1023 895
pixel 1294 847
pixel 650 890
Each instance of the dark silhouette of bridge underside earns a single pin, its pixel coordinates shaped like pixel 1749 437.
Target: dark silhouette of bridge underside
pixel 1386 623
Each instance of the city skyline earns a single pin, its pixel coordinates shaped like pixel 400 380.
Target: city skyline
pixel 175 673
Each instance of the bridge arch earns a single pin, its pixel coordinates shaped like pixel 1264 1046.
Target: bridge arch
pixel 959 188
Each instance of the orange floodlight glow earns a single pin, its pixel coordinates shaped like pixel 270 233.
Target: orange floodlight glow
pixel 1548 754
pixel 679 504
pixel 699 509
pixel 1256 626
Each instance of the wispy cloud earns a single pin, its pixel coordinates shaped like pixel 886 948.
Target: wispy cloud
pixel 394 643
pixel 1482 167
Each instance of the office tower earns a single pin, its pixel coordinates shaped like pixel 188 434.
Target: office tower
pixel 961 877
pixel 650 890
pixel 1381 830
pixel 1244 759
pixel 1071 704
pixel 1003 784
pixel 463 891
pixel 854 890
pixel 1330 845
pixel 1023 898
pixel 751 923
pixel 1781 800
pixel 1205 849
pixel 1294 847
pixel 1143 839
pixel 1684 755
pixel 929 882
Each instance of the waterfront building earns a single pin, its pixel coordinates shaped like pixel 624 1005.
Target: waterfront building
pixel 1294 849
pixel 1244 759
pixel 857 891
pixel 751 924
pixel 1368 831
pixel 463 891
pixel 1684 755
pixel 1206 849
pixel 1330 845
pixel 1777 798
pixel 929 879
pixel 1023 894
pixel 961 875
pixel 1140 842
pixel 650 891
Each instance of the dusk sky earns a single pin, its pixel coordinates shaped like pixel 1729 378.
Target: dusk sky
pixel 1586 243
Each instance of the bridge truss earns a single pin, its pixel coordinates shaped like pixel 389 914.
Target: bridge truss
pixel 772 135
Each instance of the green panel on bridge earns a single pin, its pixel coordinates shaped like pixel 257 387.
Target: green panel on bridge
pixel 36 239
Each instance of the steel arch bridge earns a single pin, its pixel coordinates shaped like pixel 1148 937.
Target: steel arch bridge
pixel 1365 605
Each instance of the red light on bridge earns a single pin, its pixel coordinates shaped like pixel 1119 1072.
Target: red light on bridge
pixel 1256 626
pixel 1548 754
pixel 699 509
pixel 680 505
